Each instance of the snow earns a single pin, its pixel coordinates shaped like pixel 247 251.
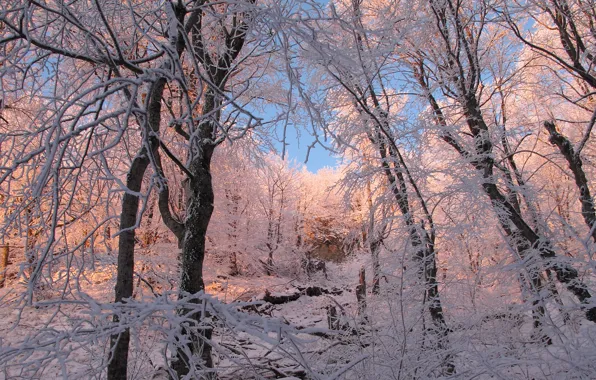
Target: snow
pixel 250 338
pixel 419 146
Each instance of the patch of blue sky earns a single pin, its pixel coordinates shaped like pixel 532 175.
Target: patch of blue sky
pixel 300 148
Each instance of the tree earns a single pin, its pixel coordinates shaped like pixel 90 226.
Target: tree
pixel 278 179
pixel 117 80
pixel 572 54
pixel 457 71
pixel 358 73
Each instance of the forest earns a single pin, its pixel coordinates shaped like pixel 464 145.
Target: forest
pixel 160 217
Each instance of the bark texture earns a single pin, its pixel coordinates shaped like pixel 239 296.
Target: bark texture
pixel 199 209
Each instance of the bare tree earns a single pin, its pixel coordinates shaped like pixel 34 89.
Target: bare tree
pixel 278 179
pixel 104 64
pixel 366 91
pixel 571 23
pixel 455 63
pixel 91 74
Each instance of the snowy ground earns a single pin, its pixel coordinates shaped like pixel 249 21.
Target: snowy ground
pixel 288 339
pixel 22 324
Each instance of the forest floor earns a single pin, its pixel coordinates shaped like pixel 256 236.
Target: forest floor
pixel 275 327
pixel 299 302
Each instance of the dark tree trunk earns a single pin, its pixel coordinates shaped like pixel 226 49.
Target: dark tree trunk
pixel 332 318
pixel 234 268
pixel 375 248
pixel 163 202
pixel 522 237
pixel 117 367
pixel 361 294
pixel 420 239
pixel 199 209
pixel 526 238
pixel 199 200
pixel 233 234
pixel 581 181
pixel 375 240
pixel 271 247
pixel 398 177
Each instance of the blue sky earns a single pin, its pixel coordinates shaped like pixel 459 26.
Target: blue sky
pixel 319 157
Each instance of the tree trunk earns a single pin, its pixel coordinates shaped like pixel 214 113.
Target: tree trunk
pixel 332 318
pixel 361 294
pixel 270 243
pixel 422 243
pixel 375 240
pixel 233 235
pixel 198 215
pixel 200 197
pixel 398 176
pixel 524 238
pixel 375 248
pixel 581 181
pixel 3 263
pixel 117 367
